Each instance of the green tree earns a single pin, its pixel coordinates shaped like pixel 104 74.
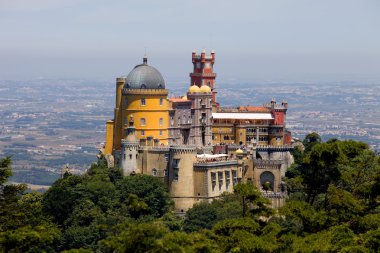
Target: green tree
pixel 320 168
pixel 310 141
pixel 23 226
pixel 252 202
pixel 142 237
pixel 205 215
pixel 150 190
pixel 299 217
pixel 342 205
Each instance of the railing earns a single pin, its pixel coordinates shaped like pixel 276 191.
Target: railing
pixel 274 195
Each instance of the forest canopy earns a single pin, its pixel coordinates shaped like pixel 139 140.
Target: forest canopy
pixel 333 206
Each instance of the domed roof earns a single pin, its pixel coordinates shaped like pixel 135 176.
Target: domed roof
pixel 205 88
pixel 144 76
pixel 194 88
pixel 184 97
pixel 239 152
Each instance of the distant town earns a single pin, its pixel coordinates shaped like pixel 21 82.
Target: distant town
pixel 46 124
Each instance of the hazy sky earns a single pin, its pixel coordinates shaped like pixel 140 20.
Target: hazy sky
pixel 254 40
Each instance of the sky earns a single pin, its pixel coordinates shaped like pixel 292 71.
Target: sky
pixel 254 40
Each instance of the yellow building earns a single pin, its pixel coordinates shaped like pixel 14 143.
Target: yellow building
pixel 143 96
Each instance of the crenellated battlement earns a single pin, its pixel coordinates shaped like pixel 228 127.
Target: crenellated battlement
pixel 183 149
pixel 146 92
pixel 271 148
pixel 260 163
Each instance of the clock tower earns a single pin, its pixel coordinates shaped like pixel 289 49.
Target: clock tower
pixel 203 73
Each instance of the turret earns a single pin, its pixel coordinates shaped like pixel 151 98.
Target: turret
pixel 129 150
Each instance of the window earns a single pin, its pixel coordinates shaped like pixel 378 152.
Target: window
pixel 227 179
pixel 154 172
pixel 142 122
pixel 175 174
pixel 165 172
pixel 161 101
pixel 143 102
pixel 130 157
pixel 125 156
pixel 263 138
pixel 160 132
pixel 234 177
pixel 142 132
pixel 213 181
pixel 161 121
pixel 220 177
pixel 175 163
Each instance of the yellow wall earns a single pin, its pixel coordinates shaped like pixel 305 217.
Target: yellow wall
pixel 152 111
pixel 118 124
pixel 218 133
pixel 240 135
pixel 109 137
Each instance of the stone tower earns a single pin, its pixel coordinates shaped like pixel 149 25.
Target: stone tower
pixel 129 151
pixel 181 176
pixel 201 114
pixel 203 73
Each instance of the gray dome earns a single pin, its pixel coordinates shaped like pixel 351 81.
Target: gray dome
pixel 144 76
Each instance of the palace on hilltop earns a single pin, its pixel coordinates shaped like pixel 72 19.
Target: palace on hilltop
pixel 199 148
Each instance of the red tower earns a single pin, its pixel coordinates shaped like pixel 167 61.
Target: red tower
pixel 203 73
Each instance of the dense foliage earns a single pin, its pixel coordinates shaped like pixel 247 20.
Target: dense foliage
pixel 333 206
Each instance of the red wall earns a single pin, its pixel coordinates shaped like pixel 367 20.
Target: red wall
pixel 279 118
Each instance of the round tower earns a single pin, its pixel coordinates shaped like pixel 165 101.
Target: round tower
pixel 181 177
pixel 129 151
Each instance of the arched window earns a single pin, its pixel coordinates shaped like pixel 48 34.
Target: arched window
pixel 142 122
pixel 161 101
pixel 161 121
pixel 143 102
pixel 154 172
pixel 143 86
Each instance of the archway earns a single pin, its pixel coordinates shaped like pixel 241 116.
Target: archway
pixel 267 180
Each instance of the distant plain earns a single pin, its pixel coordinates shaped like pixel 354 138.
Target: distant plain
pixel 46 124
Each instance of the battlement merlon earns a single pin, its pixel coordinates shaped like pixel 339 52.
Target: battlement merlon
pixel 203 56
pixel 277 107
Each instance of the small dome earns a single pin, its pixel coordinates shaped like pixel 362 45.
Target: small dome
pixel 194 88
pixel 184 97
pixel 144 76
pixel 205 89
pixel 239 152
